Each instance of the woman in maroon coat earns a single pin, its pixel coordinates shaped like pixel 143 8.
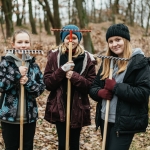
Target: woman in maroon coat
pixel 81 72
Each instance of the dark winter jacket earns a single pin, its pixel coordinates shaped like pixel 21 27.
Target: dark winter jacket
pixel 10 87
pixel 133 97
pixel 53 77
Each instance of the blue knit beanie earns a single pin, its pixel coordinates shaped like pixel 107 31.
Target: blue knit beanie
pixel 118 30
pixel 63 34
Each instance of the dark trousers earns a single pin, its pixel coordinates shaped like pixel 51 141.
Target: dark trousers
pixel 114 142
pixel 11 135
pixel 73 139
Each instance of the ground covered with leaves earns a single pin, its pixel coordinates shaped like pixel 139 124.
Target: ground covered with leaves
pixel 46 136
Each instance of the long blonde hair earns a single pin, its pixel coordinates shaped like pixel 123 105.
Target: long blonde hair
pixel 121 64
pixel 79 49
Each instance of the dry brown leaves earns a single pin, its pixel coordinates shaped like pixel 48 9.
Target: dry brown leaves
pixel 46 136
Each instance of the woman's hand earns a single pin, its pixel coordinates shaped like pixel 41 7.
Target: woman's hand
pixel 68 66
pixel 23 70
pixel 110 84
pixel 23 80
pixel 105 94
pixel 69 74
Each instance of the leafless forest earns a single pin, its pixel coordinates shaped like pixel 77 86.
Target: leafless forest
pixel 40 16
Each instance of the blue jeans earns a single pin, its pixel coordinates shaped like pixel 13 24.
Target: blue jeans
pixel 11 135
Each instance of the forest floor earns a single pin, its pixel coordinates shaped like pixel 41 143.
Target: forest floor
pixel 46 137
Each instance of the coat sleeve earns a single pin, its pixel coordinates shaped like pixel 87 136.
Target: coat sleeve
pixel 35 86
pixel 96 86
pixel 82 83
pixel 53 75
pixel 138 92
pixel 9 76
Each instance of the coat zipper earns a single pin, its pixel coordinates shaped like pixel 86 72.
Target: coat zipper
pixel 117 132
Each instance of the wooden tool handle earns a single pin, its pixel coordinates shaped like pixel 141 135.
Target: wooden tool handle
pixel 68 97
pixel 107 110
pixel 21 111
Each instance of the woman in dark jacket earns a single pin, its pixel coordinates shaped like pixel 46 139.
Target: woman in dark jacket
pixel 12 75
pixel 81 72
pixel 128 91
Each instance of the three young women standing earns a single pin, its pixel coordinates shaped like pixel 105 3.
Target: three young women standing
pixel 128 91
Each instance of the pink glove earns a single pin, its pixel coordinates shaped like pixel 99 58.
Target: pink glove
pixel 109 84
pixel 105 94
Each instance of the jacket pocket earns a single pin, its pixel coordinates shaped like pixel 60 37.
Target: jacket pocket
pixel 133 123
pixel 84 113
pixel 52 108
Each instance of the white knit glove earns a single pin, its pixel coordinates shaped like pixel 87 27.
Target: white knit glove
pixel 66 67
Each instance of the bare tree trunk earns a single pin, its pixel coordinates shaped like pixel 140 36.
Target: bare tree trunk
pixel 24 12
pixel 115 11
pixel 1 22
pixel 32 22
pixel 46 18
pixel 17 14
pixel 74 20
pixel 109 8
pixel 20 15
pixel 35 10
pixel 69 12
pixel 56 20
pixel 93 12
pixel 83 24
pixel 133 14
pixel 147 25
pixel 51 19
pixel 100 12
pixel 7 9
pixel 130 13
pixel 142 11
pixel 47 24
pixel 110 3
pixel 116 7
pixel 46 8
pixel 18 23
pixel 148 19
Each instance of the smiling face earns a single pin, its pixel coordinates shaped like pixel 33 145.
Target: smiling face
pixel 116 45
pixel 21 42
pixel 75 41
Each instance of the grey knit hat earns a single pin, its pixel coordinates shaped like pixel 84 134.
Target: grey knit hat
pixel 118 30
